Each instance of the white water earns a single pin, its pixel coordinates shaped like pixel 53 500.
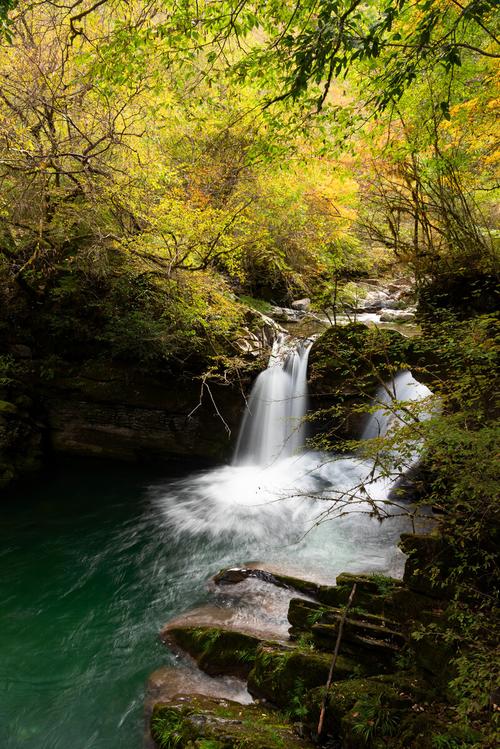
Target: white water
pixel 267 505
pixel 402 389
pixel 273 426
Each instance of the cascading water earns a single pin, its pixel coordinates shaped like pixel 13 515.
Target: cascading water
pixel 106 570
pixel 402 388
pixel 273 425
pixel 272 494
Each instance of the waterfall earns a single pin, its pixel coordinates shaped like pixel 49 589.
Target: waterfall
pixel 403 387
pixel 273 426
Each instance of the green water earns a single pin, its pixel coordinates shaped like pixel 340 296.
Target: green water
pixel 88 576
pixel 95 560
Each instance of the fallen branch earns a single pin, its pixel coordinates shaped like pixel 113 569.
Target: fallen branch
pixel 334 660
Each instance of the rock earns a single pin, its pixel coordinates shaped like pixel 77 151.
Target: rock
pixel 249 610
pixel 287 315
pixel 113 412
pixel 434 655
pixel 373 640
pixel 168 681
pixel 302 305
pixel 397 315
pixel 7 408
pixel 348 700
pixel 257 337
pixel 428 565
pixel 282 674
pixel 217 651
pixel 345 363
pixel 235 575
pixel 374 301
pixel 189 721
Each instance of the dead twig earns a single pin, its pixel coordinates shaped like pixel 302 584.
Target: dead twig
pixel 334 659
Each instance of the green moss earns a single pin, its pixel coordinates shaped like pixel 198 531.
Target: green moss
pixel 217 651
pixel 204 723
pixel 344 697
pixel 281 674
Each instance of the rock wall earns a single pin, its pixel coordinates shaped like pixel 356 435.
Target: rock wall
pixel 121 415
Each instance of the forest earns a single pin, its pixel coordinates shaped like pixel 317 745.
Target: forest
pixel 277 220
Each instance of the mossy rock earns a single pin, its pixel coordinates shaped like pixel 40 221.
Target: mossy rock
pixel 373 652
pixel 195 722
pixel 372 591
pixel 303 615
pixel 428 565
pixel 356 350
pixel 283 674
pixel 345 365
pixel 348 700
pixel 434 657
pixel 372 640
pixel 424 730
pixel 216 651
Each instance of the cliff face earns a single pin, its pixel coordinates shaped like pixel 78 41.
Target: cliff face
pixel 115 413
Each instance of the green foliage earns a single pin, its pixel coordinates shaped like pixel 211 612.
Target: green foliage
pixel 297 710
pixel 169 730
pixel 372 717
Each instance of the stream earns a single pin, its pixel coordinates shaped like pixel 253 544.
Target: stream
pixel 98 558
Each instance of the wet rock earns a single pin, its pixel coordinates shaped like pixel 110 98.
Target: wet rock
pixel 216 651
pixel 248 609
pixel 168 681
pixel 113 412
pixel 235 575
pixel 189 721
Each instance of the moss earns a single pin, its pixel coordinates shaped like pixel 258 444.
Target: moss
pixel 205 723
pixel 344 696
pixel 428 565
pixel 217 651
pixel 280 674
pixel 373 640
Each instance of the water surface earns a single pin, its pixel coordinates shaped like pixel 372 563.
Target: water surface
pixel 96 559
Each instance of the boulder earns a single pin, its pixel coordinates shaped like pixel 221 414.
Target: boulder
pixel 286 314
